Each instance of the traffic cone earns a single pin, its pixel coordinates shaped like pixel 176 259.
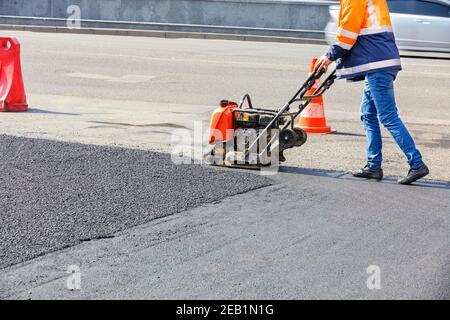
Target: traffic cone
pixel 12 91
pixel 312 119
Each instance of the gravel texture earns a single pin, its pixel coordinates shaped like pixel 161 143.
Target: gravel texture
pixel 57 194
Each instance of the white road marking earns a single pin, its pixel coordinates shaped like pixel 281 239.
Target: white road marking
pixel 129 78
pixel 426 65
pixel 441 74
pixel 191 60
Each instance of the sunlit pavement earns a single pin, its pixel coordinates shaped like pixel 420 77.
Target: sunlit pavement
pixel 313 234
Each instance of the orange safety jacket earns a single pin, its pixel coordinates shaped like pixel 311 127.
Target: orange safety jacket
pixel 365 41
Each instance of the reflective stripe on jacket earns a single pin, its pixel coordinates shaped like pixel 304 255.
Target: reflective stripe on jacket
pixel 365 41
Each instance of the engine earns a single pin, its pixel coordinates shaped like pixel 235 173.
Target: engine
pixel 233 133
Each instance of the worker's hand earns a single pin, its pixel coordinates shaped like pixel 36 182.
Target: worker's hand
pixel 322 63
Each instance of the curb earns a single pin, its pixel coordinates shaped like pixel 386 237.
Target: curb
pixel 161 34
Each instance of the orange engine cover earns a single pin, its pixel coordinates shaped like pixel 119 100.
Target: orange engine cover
pixel 221 127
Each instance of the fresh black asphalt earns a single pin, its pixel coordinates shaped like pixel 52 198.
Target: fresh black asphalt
pixel 56 194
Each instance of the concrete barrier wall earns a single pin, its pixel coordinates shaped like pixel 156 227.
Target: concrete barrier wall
pixel 257 17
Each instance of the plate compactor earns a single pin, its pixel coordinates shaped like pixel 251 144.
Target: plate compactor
pixel 246 137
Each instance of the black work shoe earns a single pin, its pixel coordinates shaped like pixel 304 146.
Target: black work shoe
pixel 414 175
pixel 368 173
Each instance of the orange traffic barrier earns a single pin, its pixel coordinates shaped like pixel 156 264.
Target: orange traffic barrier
pixel 312 119
pixel 12 91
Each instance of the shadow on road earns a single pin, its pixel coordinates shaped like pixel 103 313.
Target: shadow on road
pixel 41 111
pixel 343 175
pixel 350 134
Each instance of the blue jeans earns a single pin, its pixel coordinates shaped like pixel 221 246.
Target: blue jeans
pixel 379 103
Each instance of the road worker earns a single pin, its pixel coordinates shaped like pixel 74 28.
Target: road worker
pixel 365 49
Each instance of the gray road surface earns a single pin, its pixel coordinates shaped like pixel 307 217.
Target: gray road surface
pixel 312 234
pixel 131 91
pixel 59 194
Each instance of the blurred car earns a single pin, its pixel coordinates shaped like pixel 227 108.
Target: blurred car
pixel 420 25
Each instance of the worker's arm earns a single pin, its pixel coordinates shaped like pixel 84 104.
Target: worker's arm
pixel 352 16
